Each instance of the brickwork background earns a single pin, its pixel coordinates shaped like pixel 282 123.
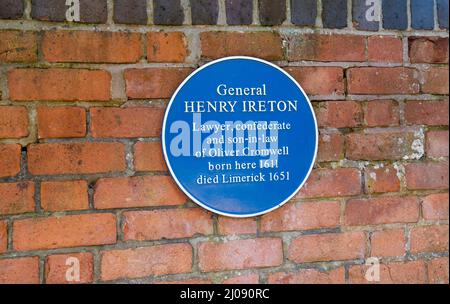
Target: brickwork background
pixel 81 169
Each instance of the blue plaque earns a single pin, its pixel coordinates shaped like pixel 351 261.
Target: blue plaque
pixel 240 136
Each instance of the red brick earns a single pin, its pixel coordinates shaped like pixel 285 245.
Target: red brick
pixel 435 207
pixel 141 262
pixel 377 80
pixel 380 146
pixel 429 239
pixel 413 272
pixel 432 113
pixel 319 80
pixel 382 113
pixel 127 122
pixel 148 156
pixel 240 254
pixel 61 122
pixel 234 226
pixel 10 159
pixel 76 158
pixel 18 46
pixel 166 47
pixel 166 224
pixel 140 191
pixel 66 231
pixel 339 114
pixel 327 247
pixel 265 45
pixel 58 266
pixel 195 281
pixel 154 83
pixel 243 279
pixel 302 216
pixel 13 122
pixel 86 46
pixel 383 210
pixel 423 176
pixel 64 195
pixel 331 147
pixel 3 236
pixel 438 270
pixel 59 84
pixel 315 47
pixel 385 49
pixel 332 183
pixel 437 144
pixel 19 270
pixel 428 50
pixel 382 179
pixel 436 80
pixel 388 243
pixel 16 198
pixel 308 276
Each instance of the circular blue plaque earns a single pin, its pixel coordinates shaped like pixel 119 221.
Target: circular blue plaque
pixel 240 136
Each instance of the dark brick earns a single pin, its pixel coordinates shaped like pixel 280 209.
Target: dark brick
pixel 395 15
pixel 361 12
pixel 91 11
pixel 442 6
pixel 204 11
pixel 422 14
pixel 304 12
pixel 130 11
pixel 334 13
pixel 167 12
pixel 272 12
pixel 239 12
pixel 11 9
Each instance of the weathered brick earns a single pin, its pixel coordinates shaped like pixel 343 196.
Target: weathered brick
pixel 59 84
pixel 239 12
pixel 317 47
pixel 13 122
pixel 319 80
pixel 395 15
pixel 64 195
pixel 143 191
pixel 303 12
pixel 57 267
pixel 339 114
pixel 167 12
pixel 423 176
pixel 16 198
pixel 383 210
pixel 412 272
pixel 362 9
pixel 382 179
pixel 194 281
pixel 61 122
pixel 11 9
pixel 327 247
pixel 243 279
pixel 429 239
pixel 435 207
pixel 435 80
pixel 130 11
pixel 375 80
pixel 3 236
pixel 382 113
pixel 76 158
pixel 385 49
pixel 432 113
pixel 10 159
pixel 166 224
pixel 148 156
pixel 302 216
pixel 442 13
pixel 388 243
pixel 428 50
pixel 155 83
pixel 166 47
pixel 148 261
pixel 84 46
pixel 422 15
pixel 331 147
pixel 204 11
pixel 272 12
pixel 332 183
pixel 437 144
pixel 308 276
pixel 18 46
pixel 334 13
pixel 66 231
pixel 438 270
pixel 265 45
pixel 91 11
pixel 19 270
pixel 240 254
pixel 235 226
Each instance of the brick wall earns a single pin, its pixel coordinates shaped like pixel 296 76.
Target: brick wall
pixel 81 169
